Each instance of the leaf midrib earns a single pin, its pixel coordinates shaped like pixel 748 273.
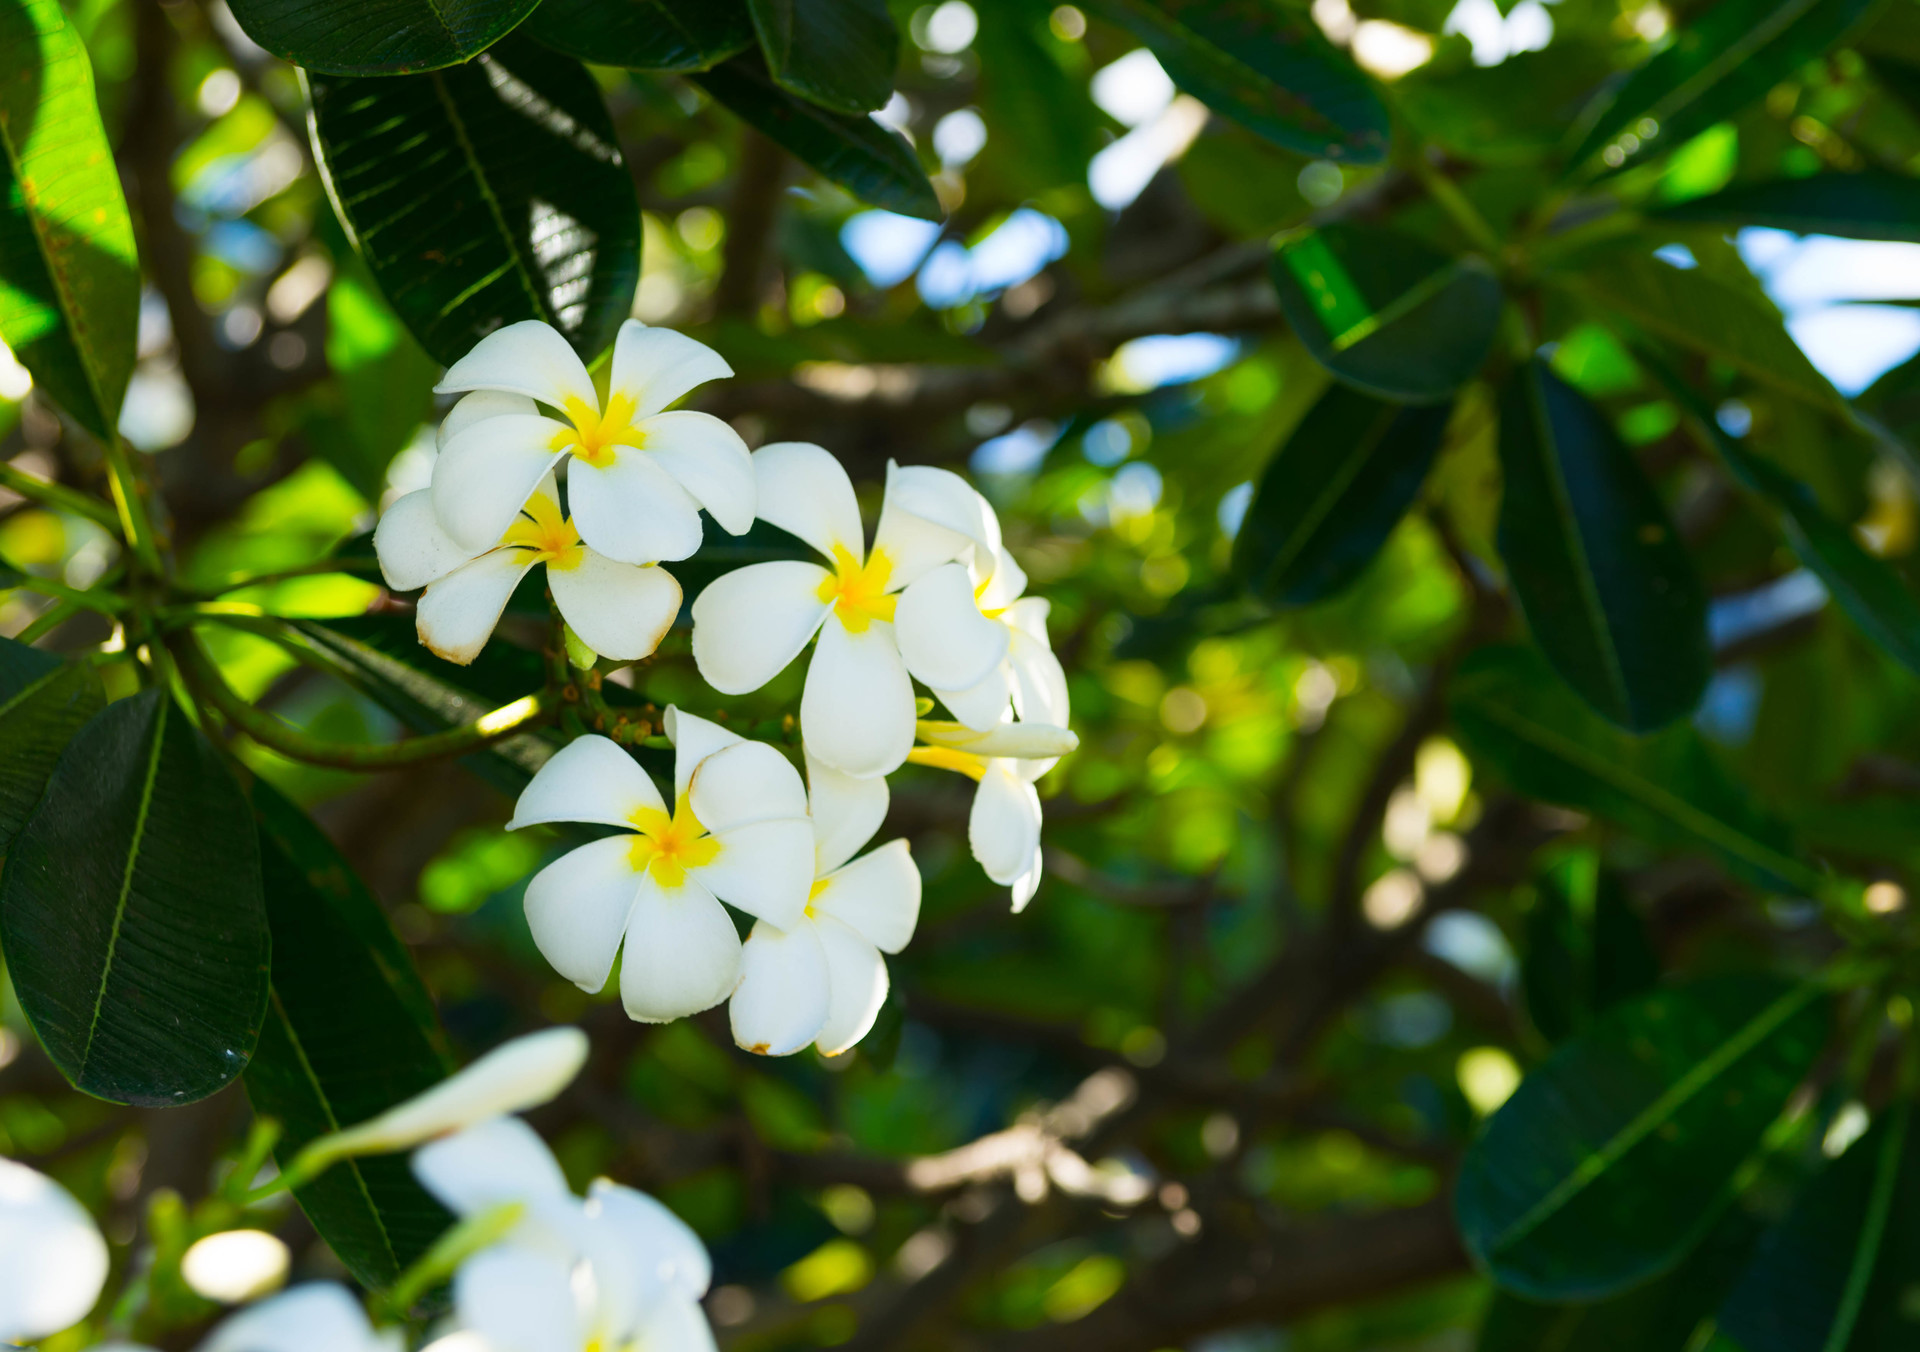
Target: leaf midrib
pixel 474 166
pixel 1866 1253
pixel 1336 488
pixel 126 882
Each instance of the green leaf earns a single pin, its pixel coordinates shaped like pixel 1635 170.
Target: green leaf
pixel 1386 313
pixel 1587 948
pixel 350 1032
pixel 1267 69
pixel 1603 580
pixel 1329 498
pixel 43 702
pixel 517 147
pixel 678 35
pixel 1026 93
pixel 872 162
pixel 1667 787
pixel 70 304
pixel 1837 1275
pixel 378 37
pixel 839 54
pixel 1870 205
pixel 1610 1161
pixel 131 911
pixel 1730 57
pixel 381 393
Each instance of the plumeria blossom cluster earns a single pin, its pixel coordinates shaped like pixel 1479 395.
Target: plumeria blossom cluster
pixel 934 597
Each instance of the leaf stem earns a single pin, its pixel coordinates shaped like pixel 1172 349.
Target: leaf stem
pixel 130 503
pixel 319 567
pixel 102 603
pixel 448 1253
pixel 57 496
pixel 1448 197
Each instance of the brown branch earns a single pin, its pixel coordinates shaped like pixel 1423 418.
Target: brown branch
pixel 752 212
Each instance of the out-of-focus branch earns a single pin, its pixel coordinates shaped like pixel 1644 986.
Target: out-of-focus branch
pixel 752 211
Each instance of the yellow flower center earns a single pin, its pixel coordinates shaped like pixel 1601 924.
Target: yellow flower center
pixel 668 846
pixel 859 594
pixel 594 434
pixel 946 758
pixel 979 593
pixel 819 886
pixel 548 534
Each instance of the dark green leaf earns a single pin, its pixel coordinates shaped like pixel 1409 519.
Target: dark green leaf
pixel 378 37
pixel 1610 1160
pixel 1605 584
pixel 1587 948
pixel 382 389
pixel 645 34
pixel 485 194
pixel 43 702
pixel 70 306
pixel 872 162
pixel 1386 313
pixel 21 665
pixel 1871 205
pixel 1667 787
pixel 131 911
pixel 350 1032
pixel 1730 57
pixel 1266 68
pixel 839 54
pixel 1893 401
pixel 1331 496
pixel 1025 92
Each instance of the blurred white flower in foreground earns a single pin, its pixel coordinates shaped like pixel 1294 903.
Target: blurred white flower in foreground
pixel 856 712
pixel 52 1258
pixel 737 832
pixel 319 1317
pixel 1003 829
pixel 637 477
pixel 620 610
pixel 822 980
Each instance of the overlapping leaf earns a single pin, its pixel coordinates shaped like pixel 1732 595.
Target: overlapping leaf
pixel 678 35
pixel 378 37
pixel 43 702
pixel 1587 948
pixel 839 54
pixel 1870 205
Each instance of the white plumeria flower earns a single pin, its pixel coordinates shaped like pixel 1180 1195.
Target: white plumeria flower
pixel 53 1260
pixel 822 980
pixel 737 832
pixel 617 1273
pixel 857 710
pixel 1003 830
pixel 620 610
pixel 318 1317
pixel 637 476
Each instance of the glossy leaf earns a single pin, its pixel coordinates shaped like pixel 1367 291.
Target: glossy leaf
pixel 1548 745
pixel 70 306
pixel 1026 92
pixel 350 1032
pixel 1870 205
pixel 518 149
pixel 1587 948
pixel 677 35
pixel 1727 58
pixel 131 911
pixel 1330 497
pixel 872 162
pixel 1265 67
pixel 1604 582
pixel 43 702
pixel 1606 1166
pixel 839 54
pixel 1386 313
pixel 378 37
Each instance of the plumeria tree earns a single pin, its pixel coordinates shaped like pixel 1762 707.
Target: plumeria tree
pixel 977 674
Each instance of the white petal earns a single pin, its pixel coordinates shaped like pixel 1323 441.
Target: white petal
pixel 514 1076
pixel 456 615
pixel 654 367
pixel 928 517
pixel 487 472
pixel 856 711
pixel 856 986
pixel 503 1160
pixel 984 705
pixel 1040 685
pixel 748 624
pixel 1027 883
pixel 620 610
pixel 746 783
pixel 632 510
pixel 53 1261
pixel 766 869
pixel 782 1000
pixel 694 739
pixel 579 905
pixel 1005 740
pixel 804 491
pixel 944 639
pixel 317 1317
pixel 411 547
pixel 676 1324
pixel 683 953
pixel 708 459
pixel 590 779
pixel 1004 826
pixel 529 358
pixel 877 896
pixel 1008 579
pixel 654 1238
pixel 519 1300
pixel 846 812
pixel 473 407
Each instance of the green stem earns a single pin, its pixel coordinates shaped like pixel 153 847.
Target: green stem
pixel 55 616
pixel 103 603
pixel 204 679
pixel 448 1253
pixel 57 496
pixel 1448 197
pixel 129 500
pixel 318 568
